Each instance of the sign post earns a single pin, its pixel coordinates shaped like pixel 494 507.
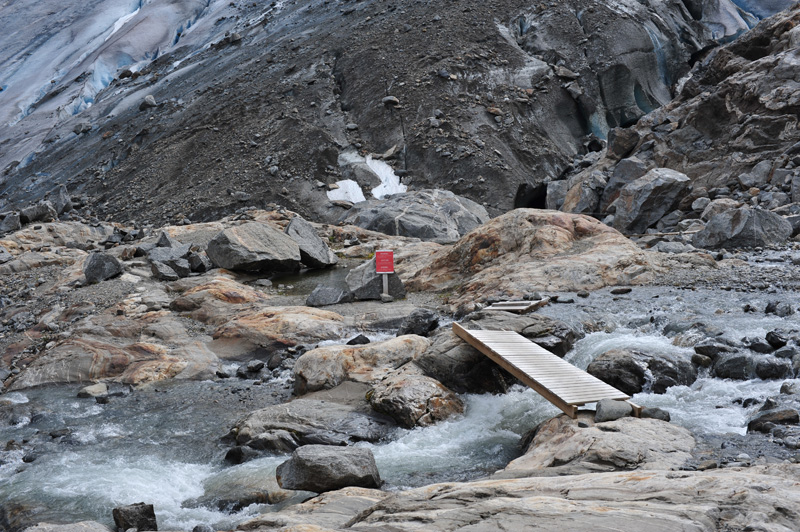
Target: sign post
pixel 384 265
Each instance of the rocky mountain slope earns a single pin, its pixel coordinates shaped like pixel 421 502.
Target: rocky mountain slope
pixel 256 102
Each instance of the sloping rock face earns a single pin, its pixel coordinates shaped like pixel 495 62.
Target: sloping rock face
pixel 732 128
pixel 539 70
pixel 434 215
pixel 527 250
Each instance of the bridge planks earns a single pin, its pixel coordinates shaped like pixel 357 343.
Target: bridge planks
pixel 555 379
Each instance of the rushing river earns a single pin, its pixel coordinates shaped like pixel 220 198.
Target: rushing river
pixel 163 444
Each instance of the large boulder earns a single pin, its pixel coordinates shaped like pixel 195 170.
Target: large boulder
pixel 647 199
pixel 323 468
pixel 627 370
pixel 459 366
pixel 323 296
pixel 743 228
pixel 140 516
pixel 311 421
pixel 365 284
pixel 314 252
pixel 527 250
pixel 11 222
pixel 562 447
pixel 435 215
pixel 101 266
pixel 38 212
pixel 254 246
pixel 329 366
pixel 414 400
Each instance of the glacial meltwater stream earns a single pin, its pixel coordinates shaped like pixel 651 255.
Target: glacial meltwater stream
pixel 162 444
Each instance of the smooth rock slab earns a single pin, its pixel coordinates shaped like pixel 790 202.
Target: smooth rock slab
pixel 254 246
pixel 322 468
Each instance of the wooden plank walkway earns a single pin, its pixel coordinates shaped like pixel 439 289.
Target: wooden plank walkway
pixel 553 378
pixel 520 307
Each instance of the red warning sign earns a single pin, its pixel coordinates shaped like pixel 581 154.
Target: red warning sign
pixel 384 261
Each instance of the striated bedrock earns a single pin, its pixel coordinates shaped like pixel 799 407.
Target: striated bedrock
pixel 530 249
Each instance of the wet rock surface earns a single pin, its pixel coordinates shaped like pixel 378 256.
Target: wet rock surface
pixel 321 468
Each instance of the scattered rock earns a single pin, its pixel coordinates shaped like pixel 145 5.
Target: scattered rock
pixel 101 266
pixel 764 422
pixel 610 410
pixel 140 516
pixel 149 102
pixel 322 468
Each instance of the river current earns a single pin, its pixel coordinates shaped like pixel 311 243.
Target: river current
pixel 162 444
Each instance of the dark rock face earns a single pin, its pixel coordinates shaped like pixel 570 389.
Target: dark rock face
pixel 534 72
pixel 365 284
pixel 626 370
pixel 421 322
pixel 322 468
pixel 11 222
pixel 254 246
pixel 101 266
pixel 764 422
pixel 323 296
pixel 646 200
pixel 435 215
pixel 139 516
pixel 314 252
pixel 743 228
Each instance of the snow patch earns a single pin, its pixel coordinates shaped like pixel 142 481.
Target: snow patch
pixel 390 182
pixel 348 191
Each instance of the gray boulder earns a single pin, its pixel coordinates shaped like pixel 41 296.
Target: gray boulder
pixel 365 284
pixel 626 370
pixel 61 201
pixel 314 252
pixel 140 516
pixel 163 272
pixel 321 468
pixel 254 246
pixel 434 215
pixel 610 410
pixel 328 295
pixel 148 102
pixel 414 400
pixel 646 200
pixel 11 222
pixel 625 172
pixel 743 228
pixel 5 256
pixel 556 192
pixel 101 266
pixel 421 322
pixel 39 212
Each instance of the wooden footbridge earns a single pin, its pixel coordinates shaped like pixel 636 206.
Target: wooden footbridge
pixel 553 378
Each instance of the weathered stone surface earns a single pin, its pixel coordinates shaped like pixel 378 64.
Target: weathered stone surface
pixel 323 296
pixel 278 327
pixel 140 516
pixel 314 252
pixel 365 284
pixel 254 246
pixel 584 196
pixel 643 202
pixel 434 215
pixel 312 421
pixel 764 422
pixel 526 250
pixel 743 228
pixel 322 468
pixel 11 222
pixel 414 400
pixel 625 369
pixel 82 526
pixel 101 266
pixel 621 142
pixel 462 368
pixel 329 366
pixel 561 447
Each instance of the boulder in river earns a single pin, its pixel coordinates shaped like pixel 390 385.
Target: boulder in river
pixel 254 246
pixel 743 228
pixel 140 516
pixel 626 370
pixel 322 468
pixel 434 215
pixel 314 252
pixel 329 366
pixel 81 526
pixel 421 322
pixel 413 399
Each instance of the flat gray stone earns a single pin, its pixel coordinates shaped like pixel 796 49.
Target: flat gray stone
pixel 321 468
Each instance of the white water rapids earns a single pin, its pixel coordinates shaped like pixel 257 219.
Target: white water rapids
pixel 171 456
